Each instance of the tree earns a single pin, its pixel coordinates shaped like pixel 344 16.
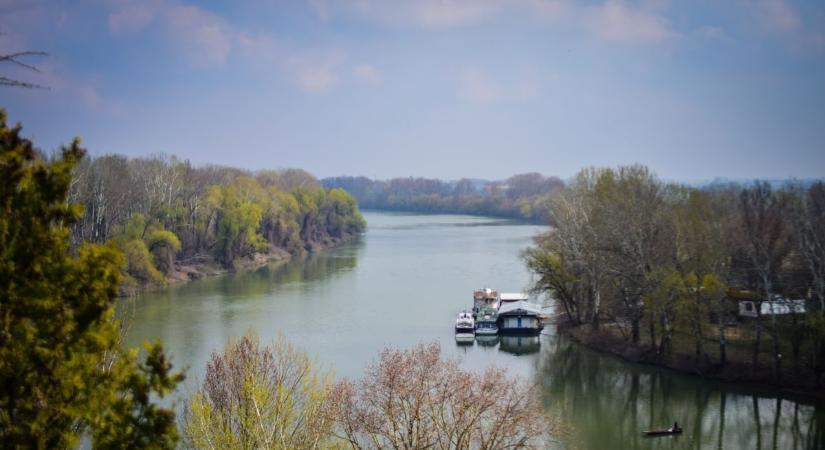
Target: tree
pixel 765 244
pixel 417 399
pixel 262 397
pixel 163 244
pixel 62 370
pixel 15 59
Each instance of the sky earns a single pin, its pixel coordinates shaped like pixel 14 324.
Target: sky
pixel 438 88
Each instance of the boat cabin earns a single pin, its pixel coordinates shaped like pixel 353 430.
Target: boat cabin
pixel 519 317
pixel 484 298
pixel 487 321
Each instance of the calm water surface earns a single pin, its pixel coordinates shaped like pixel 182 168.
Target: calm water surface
pixel 403 282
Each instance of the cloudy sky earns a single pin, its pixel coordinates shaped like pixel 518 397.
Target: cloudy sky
pixel 443 88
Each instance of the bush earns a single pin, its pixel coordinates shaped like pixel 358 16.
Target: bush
pixel 164 245
pixel 140 264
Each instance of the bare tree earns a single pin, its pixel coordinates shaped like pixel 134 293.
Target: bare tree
pixel 16 60
pixel 765 239
pixel 416 399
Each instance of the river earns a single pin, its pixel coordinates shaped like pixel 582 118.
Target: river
pixel 404 281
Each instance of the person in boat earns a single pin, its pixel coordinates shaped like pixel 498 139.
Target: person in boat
pixel 675 427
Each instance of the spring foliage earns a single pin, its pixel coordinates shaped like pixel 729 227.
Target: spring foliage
pixel 200 214
pixel 63 373
pixel 266 397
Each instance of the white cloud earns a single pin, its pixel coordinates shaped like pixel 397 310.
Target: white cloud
pixel 710 32
pixel 202 36
pixel 419 13
pixel 477 86
pixel 612 20
pixel 776 15
pixel 132 16
pixel 315 72
pixel 367 74
pixel 616 21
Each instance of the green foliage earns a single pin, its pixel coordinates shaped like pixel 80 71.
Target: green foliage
pixel 263 397
pixel 62 370
pixel 140 264
pixel 163 244
pixel 217 213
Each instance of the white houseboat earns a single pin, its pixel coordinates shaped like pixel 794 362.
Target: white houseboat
pixel 519 317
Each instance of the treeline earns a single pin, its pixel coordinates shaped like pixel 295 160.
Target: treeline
pixel 520 196
pixel 665 266
pixel 162 212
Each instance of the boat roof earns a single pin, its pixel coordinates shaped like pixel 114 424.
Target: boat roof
pixel 513 296
pixel 484 312
pixel 522 307
pixel 479 294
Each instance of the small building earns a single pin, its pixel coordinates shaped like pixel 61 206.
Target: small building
pixel 519 317
pixel 777 306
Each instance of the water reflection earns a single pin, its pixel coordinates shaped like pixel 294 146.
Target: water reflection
pixel 519 345
pixel 610 402
pixel 514 345
pixel 487 341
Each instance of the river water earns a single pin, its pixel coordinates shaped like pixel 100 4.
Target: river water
pixel 403 283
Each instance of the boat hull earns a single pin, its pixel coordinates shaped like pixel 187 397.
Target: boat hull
pixel 464 330
pixel 655 433
pixel 515 331
pixel 487 331
pixel 464 338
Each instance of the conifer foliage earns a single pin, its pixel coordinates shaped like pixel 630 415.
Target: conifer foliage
pixel 63 373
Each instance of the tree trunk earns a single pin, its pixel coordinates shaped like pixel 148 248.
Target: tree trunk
pixel 597 300
pixel 758 339
pixel 665 346
pixel 723 359
pixel 777 357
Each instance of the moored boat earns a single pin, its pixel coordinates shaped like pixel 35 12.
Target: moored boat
pixel 487 321
pixel 519 317
pixel 675 429
pixel 484 298
pixel 465 324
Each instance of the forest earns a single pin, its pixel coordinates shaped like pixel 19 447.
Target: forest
pixel 521 196
pixel 661 272
pixel 172 219
pixel 66 381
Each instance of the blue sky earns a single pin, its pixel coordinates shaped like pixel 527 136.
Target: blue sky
pixel 441 88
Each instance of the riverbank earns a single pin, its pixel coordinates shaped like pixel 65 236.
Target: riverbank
pixel 738 369
pixel 203 266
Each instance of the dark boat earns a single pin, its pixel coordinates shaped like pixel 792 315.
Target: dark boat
pixel 667 432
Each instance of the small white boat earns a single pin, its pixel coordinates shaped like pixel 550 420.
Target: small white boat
pixel 465 324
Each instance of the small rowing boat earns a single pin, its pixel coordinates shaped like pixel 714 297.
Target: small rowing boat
pixel 667 432
pixel 675 429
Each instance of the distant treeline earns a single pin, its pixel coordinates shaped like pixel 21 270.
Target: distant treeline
pixel 523 196
pixel 161 210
